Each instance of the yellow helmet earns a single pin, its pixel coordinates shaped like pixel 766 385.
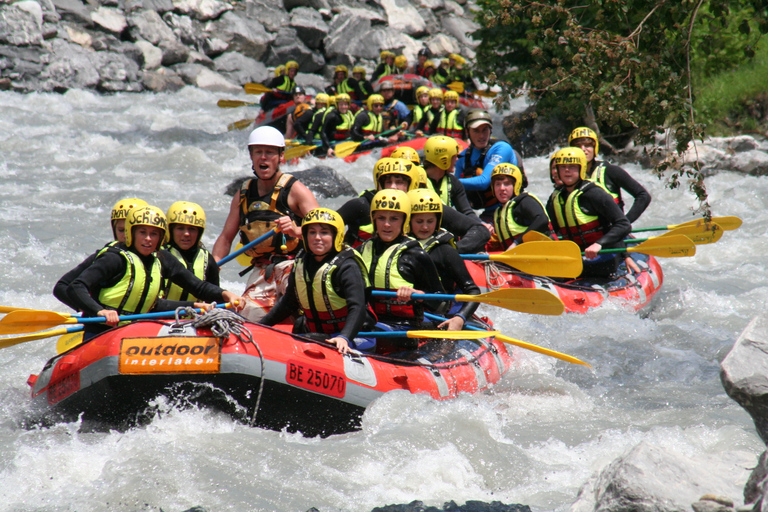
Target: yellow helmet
pixel 322 98
pixel 343 97
pixel 401 61
pixel 279 70
pixel 324 216
pixel 572 155
pixel 374 98
pixel 331 100
pixel 343 68
pixel 120 210
pixel 513 171
pixel 359 69
pixel 423 177
pixel 421 90
pixel 388 165
pixel 440 150
pixel 429 64
pixel 386 54
pixel 391 201
pixel 407 153
pixel 584 132
pixel 146 216
pixel 184 212
pixel 424 200
pixel 451 95
pixel 291 64
pixel 436 93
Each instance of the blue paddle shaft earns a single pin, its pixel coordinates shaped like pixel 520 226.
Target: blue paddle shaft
pixel 415 296
pixel 247 246
pixel 142 316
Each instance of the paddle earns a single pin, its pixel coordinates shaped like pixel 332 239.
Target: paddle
pixel 486 93
pixel 9 342
pixel 535 236
pixel 524 300
pixel 456 87
pixel 252 88
pixel 706 234
pixel 437 334
pixel 68 341
pixel 8 309
pixel 555 259
pixel 240 125
pixel 32 320
pixel 521 344
pixel 344 149
pixel 726 223
pixel 297 151
pixel 677 246
pixel 247 246
pixel 235 103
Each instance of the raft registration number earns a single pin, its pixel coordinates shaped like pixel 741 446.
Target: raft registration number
pixel 321 381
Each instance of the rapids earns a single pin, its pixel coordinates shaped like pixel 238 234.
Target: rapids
pixel 535 439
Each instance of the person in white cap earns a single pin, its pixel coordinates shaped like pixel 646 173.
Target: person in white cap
pixel 273 200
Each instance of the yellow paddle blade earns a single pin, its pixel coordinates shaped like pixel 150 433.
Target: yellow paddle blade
pixel 453 335
pixel 235 103
pixel 541 350
pixel 9 342
pixel 726 223
pixel 486 94
pixel 705 233
pixel 240 125
pixel 17 322
pixel 298 151
pixel 242 258
pixel 8 309
pixel 252 88
pixel 456 86
pixel 68 341
pixel 525 300
pixel 344 149
pixel 535 236
pixel 555 259
pixel 678 246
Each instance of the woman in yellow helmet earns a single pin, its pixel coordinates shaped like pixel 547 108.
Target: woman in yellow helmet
pixel 328 285
pixel 451 121
pixel 282 87
pixel 419 110
pixel 127 278
pixel 401 65
pixel 337 125
pixel 427 125
pixel 311 132
pixel 386 66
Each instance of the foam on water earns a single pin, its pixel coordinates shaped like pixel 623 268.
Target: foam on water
pixel 536 438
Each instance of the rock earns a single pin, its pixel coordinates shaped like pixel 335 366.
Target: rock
pixel 742 143
pixel 117 73
pixel 756 489
pixel 649 478
pixel 161 81
pixel 73 10
pixel 460 28
pixel 440 44
pixel 202 10
pixel 187 30
pixel 753 162
pixel 287 46
pixel 71 67
pixel 239 69
pixel 242 34
pixel 309 26
pixel 268 13
pixel 291 5
pixel 744 373
pixel 110 19
pixel 323 181
pixel 204 78
pixel 159 6
pixel 21 24
pixel 173 52
pixel 403 17
pixel 348 31
pixel 148 25
pixel 311 81
pixel 152 55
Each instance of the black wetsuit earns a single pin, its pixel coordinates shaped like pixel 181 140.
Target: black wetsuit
pixel 617 179
pixel 458 196
pixel 455 276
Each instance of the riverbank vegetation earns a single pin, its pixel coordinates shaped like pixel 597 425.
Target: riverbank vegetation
pixel 627 68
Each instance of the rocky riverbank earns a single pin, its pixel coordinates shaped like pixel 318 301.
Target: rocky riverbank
pixel 163 45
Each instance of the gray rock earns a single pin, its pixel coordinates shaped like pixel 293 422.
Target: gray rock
pixel 204 78
pixel 189 31
pixel 202 10
pixel 21 24
pixel 148 25
pixel 744 373
pixel 268 12
pixel 287 46
pixel 73 10
pixel 311 82
pixel 239 69
pixel 242 34
pixel 753 162
pixel 152 56
pixel 108 42
pixel 71 67
pixel 117 73
pixel 173 52
pixel 159 6
pixel 348 31
pixel 460 28
pixel 743 143
pixel 309 26
pixel 756 489
pixel 403 17
pixel 290 5
pixel 109 19
pixel 162 80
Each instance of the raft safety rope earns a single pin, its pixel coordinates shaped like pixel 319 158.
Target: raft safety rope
pixel 493 275
pixel 224 323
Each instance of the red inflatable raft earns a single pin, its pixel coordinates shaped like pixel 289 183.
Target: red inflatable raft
pixel 277 381
pixel 579 295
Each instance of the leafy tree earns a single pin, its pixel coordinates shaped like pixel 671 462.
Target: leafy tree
pixel 622 67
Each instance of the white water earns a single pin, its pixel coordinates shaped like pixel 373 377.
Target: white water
pixel 541 433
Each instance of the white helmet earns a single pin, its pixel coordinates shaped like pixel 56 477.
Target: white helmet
pixel 266 136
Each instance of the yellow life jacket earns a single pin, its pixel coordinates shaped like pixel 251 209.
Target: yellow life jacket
pixel 572 222
pixel 325 311
pixel 375 123
pixel 136 292
pixel 507 229
pixel 343 129
pixel 597 176
pixel 257 216
pixel 441 236
pixel 384 275
pixel 448 124
pixel 199 267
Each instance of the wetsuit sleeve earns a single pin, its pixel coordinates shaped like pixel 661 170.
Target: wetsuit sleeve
pixel 329 125
pixel 361 120
pixel 105 271
pixel 302 124
pixel 623 180
pixel 417 267
pixel 470 233
pixel 449 259
pixel 348 283
pixel 353 213
pixel 286 306
pixel 599 202
pixel 499 152
pixel 173 270
pixel 60 290
pixel 212 272
pixel 459 198
pixel 528 212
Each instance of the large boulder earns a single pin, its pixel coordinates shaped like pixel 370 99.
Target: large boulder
pixel 117 73
pixel 239 69
pixel 403 17
pixel 270 13
pixel 149 26
pixel 242 34
pixel 74 11
pixel 204 78
pixel 202 10
pixel 287 46
pixel 21 24
pixel 310 26
pixel 71 67
pixel 109 19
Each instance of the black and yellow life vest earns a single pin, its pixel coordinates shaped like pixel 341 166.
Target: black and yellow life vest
pixel 375 123
pixel 597 176
pixel 505 225
pixel 136 292
pixel 203 259
pixel 448 124
pixel 257 216
pixel 418 113
pixel 287 86
pixel 573 224
pixel 325 311
pixel 439 237
pixel 384 274
pixel 345 127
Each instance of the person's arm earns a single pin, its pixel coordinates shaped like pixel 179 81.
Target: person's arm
pixel 500 152
pixel 459 199
pixel 417 267
pixel 361 119
pixel 623 180
pixel 212 271
pixel 471 234
pixel 301 200
pixel 106 271
pixel 529 212
pixel 355 213
pixel 452 261
pixel 599 202
pixel 231 227
pixel 329 126
pixel 348 282
pixel 60 289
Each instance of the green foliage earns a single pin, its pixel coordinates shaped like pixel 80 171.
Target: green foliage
pixel 617 65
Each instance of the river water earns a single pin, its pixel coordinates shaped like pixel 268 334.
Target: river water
pixel 534 439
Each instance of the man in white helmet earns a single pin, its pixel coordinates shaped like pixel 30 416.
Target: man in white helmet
pixel 273 200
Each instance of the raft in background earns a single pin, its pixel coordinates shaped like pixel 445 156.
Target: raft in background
pixel 579 295
pixel 308 387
